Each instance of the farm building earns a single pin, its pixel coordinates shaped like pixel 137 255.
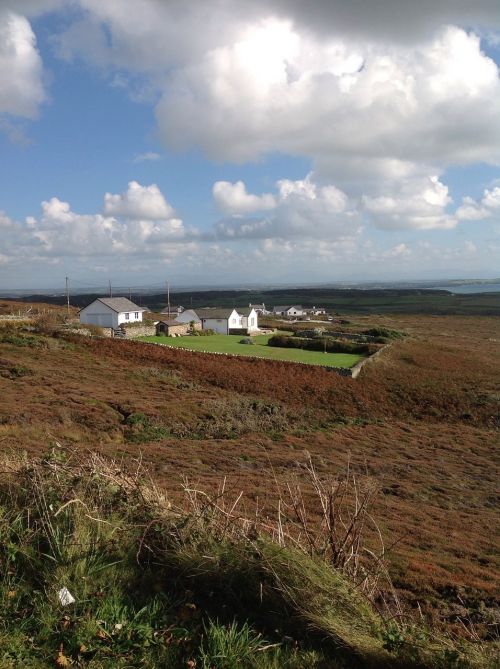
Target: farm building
pixel 286 310
pixel 188 316
pixel 172 328
pixel 249 318
pixel 219 320
pixel 172 311
pixel 111 312
pixel 259 308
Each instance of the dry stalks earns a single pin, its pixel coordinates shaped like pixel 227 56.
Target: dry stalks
pixel 328 519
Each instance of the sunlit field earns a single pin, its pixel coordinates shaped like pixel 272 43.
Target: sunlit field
pixel 232 344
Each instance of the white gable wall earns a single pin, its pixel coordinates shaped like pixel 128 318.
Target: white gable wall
pixel 250 322
pixel 222 325
pixel 98 313
pixel 187 316
pixel 218 325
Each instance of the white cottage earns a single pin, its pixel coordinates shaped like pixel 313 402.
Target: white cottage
pixel 219 320
pixel 249 319
pixel 286 310
pixel 111 312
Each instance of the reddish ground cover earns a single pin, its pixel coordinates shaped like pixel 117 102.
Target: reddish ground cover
pixel 423 420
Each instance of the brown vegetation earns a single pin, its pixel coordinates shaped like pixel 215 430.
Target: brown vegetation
pixel 422 419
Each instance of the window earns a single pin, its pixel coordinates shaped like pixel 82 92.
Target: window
pixel 136 314
pixel 127 316
pixel 252 321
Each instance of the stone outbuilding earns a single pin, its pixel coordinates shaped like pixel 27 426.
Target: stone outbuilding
pixel 172 328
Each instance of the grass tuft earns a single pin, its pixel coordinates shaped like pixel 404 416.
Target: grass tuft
pixel 198 583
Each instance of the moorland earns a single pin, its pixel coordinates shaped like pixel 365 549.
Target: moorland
pixel 421 422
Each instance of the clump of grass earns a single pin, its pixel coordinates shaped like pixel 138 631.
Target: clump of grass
pixel 231 417
pixel 224 418
pixel 142 429
pixel 229 646
pixel 10 370
pixel 166 375
pixel 199 583
pixel 19 338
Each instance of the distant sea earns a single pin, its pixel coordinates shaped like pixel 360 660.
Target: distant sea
pixel 471 288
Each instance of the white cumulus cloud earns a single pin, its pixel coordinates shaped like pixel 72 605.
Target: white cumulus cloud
pixel 139 202
pixel 302 209
pixel 487 207
pixel 275 89
pixel 21 71
pixel 418 204
pixel 232 199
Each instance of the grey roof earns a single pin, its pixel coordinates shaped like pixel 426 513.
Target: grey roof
pixel 120 304
pixel 245 311
pixel 285 307
pixel 214 313
pixel 170 322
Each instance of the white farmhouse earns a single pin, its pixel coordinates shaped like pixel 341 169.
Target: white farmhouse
pixel 111 312
pixel 259 308
pixel 172 312
pixel 249 319
pixel 286 310
pixel 317 311
pixel 219 320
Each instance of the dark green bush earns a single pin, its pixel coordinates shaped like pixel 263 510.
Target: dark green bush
pixel 383 333
pixel 327 344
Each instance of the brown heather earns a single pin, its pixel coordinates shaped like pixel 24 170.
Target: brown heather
pixel 422 420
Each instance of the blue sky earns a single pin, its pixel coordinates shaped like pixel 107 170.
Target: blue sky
pixel 248 142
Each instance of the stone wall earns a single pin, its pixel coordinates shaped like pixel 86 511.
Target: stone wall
pixel 357 368
pixel 140 331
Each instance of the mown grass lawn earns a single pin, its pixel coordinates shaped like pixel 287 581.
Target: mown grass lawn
pixel 231 344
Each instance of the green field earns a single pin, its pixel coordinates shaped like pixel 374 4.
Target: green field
pixel 231 344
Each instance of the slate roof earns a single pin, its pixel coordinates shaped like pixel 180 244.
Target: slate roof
pixel 286 307
pixel 171 321
pixel 120 304
pixel 214 313
pixel 244 311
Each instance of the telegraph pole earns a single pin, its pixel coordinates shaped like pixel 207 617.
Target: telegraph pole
pixel 168 299
pixel 110 291
pixel 67 295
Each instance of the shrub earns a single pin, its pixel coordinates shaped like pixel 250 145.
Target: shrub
pixel 247 340
pixel 227 418
pixel 21 339
pixel 327 344
pixel 384 334
pixel 49 324
pixel 142 428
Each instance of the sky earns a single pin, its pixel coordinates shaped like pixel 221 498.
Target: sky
pixel 245 142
